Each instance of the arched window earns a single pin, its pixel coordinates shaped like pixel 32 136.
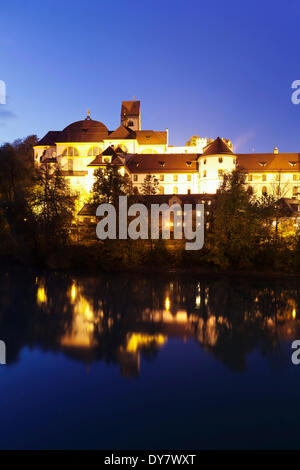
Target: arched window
pixel 175 190
pixel 94 151
pixel 264 191
pixel 70 152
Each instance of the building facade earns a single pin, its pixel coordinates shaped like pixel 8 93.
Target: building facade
pixel 195 168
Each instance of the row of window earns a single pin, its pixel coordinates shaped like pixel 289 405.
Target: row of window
pixel 175 177
pixel 175 190
pixel 264 191
pixel 220 160
pixel 264 177
pixel 162 177
pixel 92 152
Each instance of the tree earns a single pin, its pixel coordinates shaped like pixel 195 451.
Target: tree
pixel 52 205
pixel 16 181
pixel 109 185
pixel 237 226
pixel 150 185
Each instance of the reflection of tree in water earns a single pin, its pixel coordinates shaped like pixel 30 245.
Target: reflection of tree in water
pixel 120 318
pixel 244 316
pixel 23 322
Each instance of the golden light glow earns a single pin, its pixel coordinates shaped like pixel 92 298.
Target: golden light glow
pixel 167 303
pixel 41 295
pixel 294 313
pixel 73 292
pixel 137 340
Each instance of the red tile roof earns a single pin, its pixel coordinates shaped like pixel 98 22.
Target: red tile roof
pixel 50 138
pixel 130 108
pixel 262 162
pixel 217 147
pixel 163 163
pixel 122 132
pixel 151 137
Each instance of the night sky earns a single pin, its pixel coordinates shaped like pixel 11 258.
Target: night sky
pixel 208 68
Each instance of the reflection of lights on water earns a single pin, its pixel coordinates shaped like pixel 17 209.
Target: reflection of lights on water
pixel 41 295
pixel 167 303
pixel 73 292
pixel 294 313
pixel 137 340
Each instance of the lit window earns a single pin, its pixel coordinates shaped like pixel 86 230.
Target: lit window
pixel 294 177
pixel 70 152
pixel 204 174
pixel 93 151
pixel 278 177
pixel 264 191
pixel 189 191
pixel 220 160
pixel 161 177
pixel 204 161
pixel 175 178
pixel 249 177
pixel 175 190
pixel 220 173
pixel 264 177
pixel 135 177
pixel 189 178
pixel 70 164
pixel 161 190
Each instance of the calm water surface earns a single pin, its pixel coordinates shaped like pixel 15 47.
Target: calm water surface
pixel 127 362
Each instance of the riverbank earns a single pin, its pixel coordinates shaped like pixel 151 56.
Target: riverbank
pixel 137 259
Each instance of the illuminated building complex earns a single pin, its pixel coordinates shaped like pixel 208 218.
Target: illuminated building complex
pixel 195 168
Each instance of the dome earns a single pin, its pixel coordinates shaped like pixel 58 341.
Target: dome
pixel 87 130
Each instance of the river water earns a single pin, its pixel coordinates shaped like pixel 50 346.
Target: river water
pixel 154 362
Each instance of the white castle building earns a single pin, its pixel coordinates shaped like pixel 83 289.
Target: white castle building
pixel 195 168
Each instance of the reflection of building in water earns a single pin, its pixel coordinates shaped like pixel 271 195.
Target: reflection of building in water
pixel 129 356
pixel 226 322
pixel 41 295
pixel 81 336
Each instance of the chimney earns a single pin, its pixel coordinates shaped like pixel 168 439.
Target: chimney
pixel 167 131
pixel 275 150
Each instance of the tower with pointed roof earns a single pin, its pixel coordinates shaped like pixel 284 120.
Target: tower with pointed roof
pixel 217 158
pixel 131 115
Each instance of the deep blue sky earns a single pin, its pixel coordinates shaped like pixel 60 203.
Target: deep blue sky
pixel 208 68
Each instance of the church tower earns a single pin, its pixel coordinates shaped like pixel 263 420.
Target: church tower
pixel 131 115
